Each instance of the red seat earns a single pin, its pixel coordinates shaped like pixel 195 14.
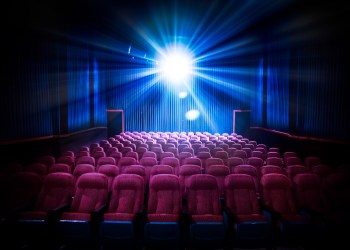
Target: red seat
pixel 206 221
pixel 163 226
pixel 219 172
pixel 78 226
pixel 291 227
pixel 34 227
pixel 249 226
pixel 122 221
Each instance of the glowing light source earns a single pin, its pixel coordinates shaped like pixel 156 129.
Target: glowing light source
pixel 183 94
pixel 192 114
pixel 176 66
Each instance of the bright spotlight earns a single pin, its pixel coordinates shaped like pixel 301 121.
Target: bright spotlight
pixel 176 66
pixel 192 114
pixel 182 94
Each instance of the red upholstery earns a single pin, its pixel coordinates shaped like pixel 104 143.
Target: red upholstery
pixel 85 160
pixel 126 161
pixel 105 160
pixel 250 170
pixel 234 161
pixel 219 172
pixel 277 161
pixel 269 169
pixel 111 171
pixel 161 169
pixel 56 191
pixel 203 198
pixel 127 197
pixel 186 171
pixel 164 201
pixel 294 170
pixel 91 194
pixel 60 167
pixel 136 169
pixel 173 162
pixel 148 163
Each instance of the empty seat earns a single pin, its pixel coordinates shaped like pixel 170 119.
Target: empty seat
pixel 34 227
pixel 48 160
pixel 294 170
pixel 111 171
pixel 207 227
pixel 126 161
pixel 293 160
pixel 291 227
pixel 269 169
pixel 192 161
pixel 121 223
pixel 173 162
pixel 136 169
pixel 183 156
pixel 257 163
pixel 86 160
pixel 105 160
pixel 311 161
pixel 249 170
pixel 213 161
pixel 185 172
pixel 81 169
pixel 148 163
pixel 219 172
pixel 60 167
pixel 78 226
pixel 223 155
pixel 67 160
pixel 203 156
pixel 161 169
pixel 277 161
pixel 310 198
pixel 163 225
pixel 117 156
pixel 234 161
pixel 249 225
pixel 39 168
pixel 133 155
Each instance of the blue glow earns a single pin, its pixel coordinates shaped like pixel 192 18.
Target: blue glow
pixel 175 65
pixel 192 114
pixel 183 94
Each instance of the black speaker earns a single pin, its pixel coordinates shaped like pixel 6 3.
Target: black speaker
pixel 115 122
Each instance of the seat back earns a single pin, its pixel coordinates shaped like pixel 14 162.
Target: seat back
pixel 203 196
pixel 91 193
pixel 240 194
pixel 185 172
pixel 105 160
pixel 219 172
pixel 173 162
pixel 309 193
pixel 111 171
pixel 60 167
pixel 161 169
pixel 276 193
pixel 164 195
pixel 56 191
pixel 127 194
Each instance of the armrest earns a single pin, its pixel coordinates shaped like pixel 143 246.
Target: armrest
pixel 55 214
pixel 271 213
pixel 97 215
